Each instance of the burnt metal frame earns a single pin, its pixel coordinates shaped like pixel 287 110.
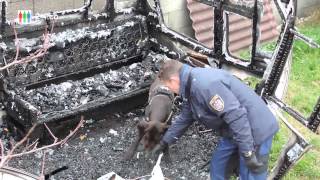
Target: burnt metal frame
pixel 274 70
pixel 219 53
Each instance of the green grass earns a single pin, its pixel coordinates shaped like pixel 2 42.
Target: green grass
pixel 304 86
pixel 246 54
pixel 252 81
pixel 279 141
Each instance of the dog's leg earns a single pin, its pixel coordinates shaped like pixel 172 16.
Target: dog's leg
pixel 167 157
pixel 133 147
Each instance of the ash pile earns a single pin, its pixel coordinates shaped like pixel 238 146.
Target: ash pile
pixel 98 148
pixel 5 134
pixel 72 94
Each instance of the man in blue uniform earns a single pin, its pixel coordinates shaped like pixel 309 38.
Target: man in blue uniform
pixel 223 103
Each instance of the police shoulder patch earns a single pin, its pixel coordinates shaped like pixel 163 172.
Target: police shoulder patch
pixel 216 103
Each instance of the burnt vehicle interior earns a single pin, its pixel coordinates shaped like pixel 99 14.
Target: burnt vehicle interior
pixel 105 61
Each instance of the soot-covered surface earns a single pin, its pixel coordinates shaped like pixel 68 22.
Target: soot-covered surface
pixel 98 147
pixel 72 94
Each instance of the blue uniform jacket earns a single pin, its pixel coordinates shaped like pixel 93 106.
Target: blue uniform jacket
pixel 222 102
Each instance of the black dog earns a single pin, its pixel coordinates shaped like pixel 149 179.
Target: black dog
pixel 158 113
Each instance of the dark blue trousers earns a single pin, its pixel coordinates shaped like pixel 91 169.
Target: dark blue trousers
pixel 221 156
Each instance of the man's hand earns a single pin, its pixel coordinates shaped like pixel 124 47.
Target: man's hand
pixel 252 163
pixel 160 148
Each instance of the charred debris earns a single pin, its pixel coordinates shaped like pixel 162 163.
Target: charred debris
pixel 106 61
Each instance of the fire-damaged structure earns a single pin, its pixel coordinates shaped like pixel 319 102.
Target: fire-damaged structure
pixel 108 60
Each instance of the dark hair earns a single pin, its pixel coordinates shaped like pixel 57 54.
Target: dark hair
pixel 168 69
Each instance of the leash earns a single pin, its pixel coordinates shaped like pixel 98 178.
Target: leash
pixel 171 113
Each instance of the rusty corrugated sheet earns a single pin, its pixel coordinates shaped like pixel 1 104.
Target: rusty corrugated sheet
pixel 239 29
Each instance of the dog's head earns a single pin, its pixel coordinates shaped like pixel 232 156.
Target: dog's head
pixel 153 132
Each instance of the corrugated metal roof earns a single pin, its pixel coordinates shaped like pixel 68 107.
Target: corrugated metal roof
pixel 239 29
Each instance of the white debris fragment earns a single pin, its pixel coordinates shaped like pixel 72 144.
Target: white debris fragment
pixel 128 84
pixel 129 24
pixel 3 46
pixel 65 86
pixel 294 152
pixel 13 104
pixel 154 40
pixel 126 75
pixel 109 176
pixel 84 100
pixel 104 33
pixel 113 132
pixel 153 14
pixel 86 151
pixel 113 75
pixel 164 48
pixel 126 10
pixel 50 151
pixel 148 73
pixel 133 66
pixel 102 140
pixel 136 119
pixel 172 53
pixel 157 173
pixel 130 114
pixel 38 154
pixel 140 43
pixel 117 149
pixel 90 121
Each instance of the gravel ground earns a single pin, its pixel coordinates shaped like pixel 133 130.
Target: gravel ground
pixel 98 147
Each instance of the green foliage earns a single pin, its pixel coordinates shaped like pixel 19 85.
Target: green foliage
pixel 304 84
pixel 252 81
pixel 279 141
